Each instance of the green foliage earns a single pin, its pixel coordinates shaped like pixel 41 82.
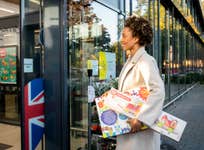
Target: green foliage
pixel 188 78
pixel 202 79
pixel 192 77
pixel 102 87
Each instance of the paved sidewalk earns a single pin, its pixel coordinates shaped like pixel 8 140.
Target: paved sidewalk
pixel 191 109
pixel 10 138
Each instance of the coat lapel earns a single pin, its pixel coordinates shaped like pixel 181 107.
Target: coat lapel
pixel 129 66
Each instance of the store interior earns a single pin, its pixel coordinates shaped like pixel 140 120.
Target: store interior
pixel 9 83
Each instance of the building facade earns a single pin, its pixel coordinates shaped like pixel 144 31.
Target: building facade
pixel 74 43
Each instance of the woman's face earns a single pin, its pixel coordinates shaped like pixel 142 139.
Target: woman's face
pixel 127 40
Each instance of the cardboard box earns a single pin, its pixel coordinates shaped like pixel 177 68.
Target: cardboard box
pixel 112 122
pixel 170 126
pixel 114 108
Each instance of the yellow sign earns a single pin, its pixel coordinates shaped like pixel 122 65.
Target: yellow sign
pixel 89 64
pixel 102 66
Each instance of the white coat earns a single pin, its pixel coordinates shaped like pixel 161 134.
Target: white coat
pixel 142 70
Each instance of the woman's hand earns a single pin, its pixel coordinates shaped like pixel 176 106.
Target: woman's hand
pixel 135 125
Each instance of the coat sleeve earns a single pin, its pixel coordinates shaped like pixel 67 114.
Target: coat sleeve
pixel 153 107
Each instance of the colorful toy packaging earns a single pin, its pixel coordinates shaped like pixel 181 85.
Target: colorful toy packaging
pixel 112 122
pixel 115 107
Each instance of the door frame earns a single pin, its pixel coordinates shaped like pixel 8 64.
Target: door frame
pixel 55 73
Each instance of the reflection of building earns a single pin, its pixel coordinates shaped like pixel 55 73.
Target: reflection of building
pixel 76 32
pixel 170 53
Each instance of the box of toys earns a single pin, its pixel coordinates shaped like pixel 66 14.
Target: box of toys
pixel 115 107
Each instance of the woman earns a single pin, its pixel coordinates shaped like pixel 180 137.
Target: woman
pixel 140 69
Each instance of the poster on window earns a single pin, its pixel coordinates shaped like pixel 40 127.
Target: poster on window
pixel 93 64
pixel 107 65
pixel 8 64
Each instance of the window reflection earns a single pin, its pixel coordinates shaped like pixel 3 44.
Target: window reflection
pixel 93 43
pixel 113 3
pixel 163 23
pixel 140 8
pixel 127 7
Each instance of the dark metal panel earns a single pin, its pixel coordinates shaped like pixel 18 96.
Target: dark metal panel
pixel 21 85
pixel 13 21
pixel 130 7
pixel 159 37
pixel 9 22
pixel 56 121
pixel 64 75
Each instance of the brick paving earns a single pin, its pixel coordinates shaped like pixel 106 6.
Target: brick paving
pixel 191 109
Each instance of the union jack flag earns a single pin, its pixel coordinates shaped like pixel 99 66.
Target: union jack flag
pixel 34 113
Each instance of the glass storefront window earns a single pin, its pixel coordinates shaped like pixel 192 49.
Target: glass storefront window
pixel 175 60
pixel 127 7
pixel 9 75
pixel 156 51
pixel 188 61
pixel 164 33
pixel 33 52
pixel 180 66
pixel 9 62
pixel 113 3
pixel 94 32
pixel 122 5
pixel 141 7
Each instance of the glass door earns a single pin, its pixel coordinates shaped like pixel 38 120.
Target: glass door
pixel 32 39
pixel 94 31
pixel 32 61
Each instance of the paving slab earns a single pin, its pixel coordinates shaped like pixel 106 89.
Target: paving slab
pixel 191 109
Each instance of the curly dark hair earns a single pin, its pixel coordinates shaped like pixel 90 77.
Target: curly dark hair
pixel 140 28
